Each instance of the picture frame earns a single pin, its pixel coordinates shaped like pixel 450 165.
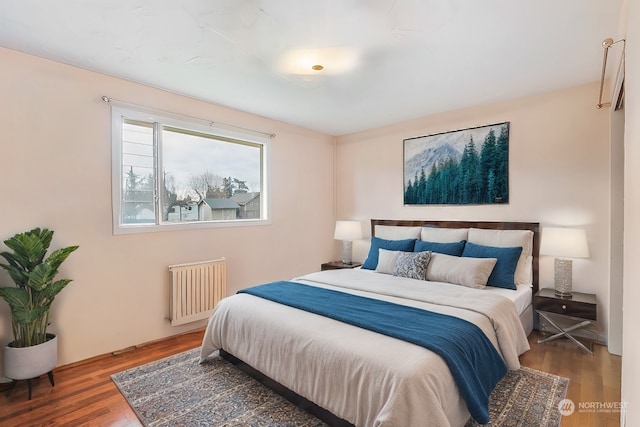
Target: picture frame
pixel 461 167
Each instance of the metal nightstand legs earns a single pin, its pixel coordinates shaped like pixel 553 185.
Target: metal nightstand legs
pixel 565 332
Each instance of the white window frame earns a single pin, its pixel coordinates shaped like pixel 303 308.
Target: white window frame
pixel 178 121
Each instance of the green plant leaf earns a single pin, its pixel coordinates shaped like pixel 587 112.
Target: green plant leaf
pixel 40 276
pixel 19 301
pixel 59 256
pixel 54 288
pixel 17 273
pixel 30 247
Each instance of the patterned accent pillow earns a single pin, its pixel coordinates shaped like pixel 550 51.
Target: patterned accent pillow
pixel 412 265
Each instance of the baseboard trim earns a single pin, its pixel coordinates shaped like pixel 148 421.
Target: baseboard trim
pixel 126 350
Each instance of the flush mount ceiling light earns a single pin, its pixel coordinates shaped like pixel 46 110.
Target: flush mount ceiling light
pixel 330 60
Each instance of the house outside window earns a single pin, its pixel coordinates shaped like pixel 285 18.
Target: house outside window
pixel 173 172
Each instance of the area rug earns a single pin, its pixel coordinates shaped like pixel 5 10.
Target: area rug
pixel 178 391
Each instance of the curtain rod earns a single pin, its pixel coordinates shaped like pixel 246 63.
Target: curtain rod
pixel 606 44
pixel 110 101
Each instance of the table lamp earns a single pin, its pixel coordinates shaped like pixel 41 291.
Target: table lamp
pixel 564 243
pixel 347 231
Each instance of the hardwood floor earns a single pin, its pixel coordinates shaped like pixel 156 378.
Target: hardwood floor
pixel 594 380
pixel 84 394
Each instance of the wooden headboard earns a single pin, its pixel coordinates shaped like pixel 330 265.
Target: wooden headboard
pixel 492 225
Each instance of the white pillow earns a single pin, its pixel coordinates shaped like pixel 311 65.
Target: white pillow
pixel 396 232
pixel 505 239
pixel 387 261
pixel 465 271
pixel 443 235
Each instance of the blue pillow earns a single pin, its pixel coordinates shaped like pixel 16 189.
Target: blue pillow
pixel 503 273
pixel 454 248
pixel 393 245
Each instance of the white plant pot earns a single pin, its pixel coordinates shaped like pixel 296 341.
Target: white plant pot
pixel 30 362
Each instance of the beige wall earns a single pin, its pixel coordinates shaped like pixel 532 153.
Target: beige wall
pixel 559 174
pixel 631 288
pixel 56 173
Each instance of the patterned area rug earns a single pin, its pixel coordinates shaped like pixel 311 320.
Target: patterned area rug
pixel 177 391
pixel 526 397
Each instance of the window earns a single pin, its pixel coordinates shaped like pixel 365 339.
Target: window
pixel 171 173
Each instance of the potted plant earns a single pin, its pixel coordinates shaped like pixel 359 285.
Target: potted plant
pixel 33 351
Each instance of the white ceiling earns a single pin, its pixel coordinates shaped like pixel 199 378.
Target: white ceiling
pixel 408 58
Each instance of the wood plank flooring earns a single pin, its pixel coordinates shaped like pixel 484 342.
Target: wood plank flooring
pixel 594 380
pixel 84 394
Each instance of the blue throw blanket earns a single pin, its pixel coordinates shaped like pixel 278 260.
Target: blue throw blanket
pixel 475 364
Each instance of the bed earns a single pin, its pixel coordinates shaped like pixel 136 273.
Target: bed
pixel 350 374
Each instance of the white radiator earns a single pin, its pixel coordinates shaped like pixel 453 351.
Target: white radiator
pixel 196 288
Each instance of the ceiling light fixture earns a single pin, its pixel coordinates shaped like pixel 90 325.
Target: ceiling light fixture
pixel 339 59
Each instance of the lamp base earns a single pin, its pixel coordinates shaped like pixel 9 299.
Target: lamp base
pixel 346 252
pixel 563 277
pixel 563 295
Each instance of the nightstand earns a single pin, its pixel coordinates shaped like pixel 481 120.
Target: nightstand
pixel 337 265
pixel 580 307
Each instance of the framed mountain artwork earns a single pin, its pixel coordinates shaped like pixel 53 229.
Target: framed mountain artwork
pixel 462 167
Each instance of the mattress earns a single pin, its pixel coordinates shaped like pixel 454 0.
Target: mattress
pixel 521 297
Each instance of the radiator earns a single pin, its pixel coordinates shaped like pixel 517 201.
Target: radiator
pixel 195 289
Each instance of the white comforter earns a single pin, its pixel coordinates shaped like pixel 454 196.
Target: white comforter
pixel 364 377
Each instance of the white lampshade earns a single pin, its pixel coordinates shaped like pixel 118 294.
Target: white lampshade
pixel 564 242
pixel 348 230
